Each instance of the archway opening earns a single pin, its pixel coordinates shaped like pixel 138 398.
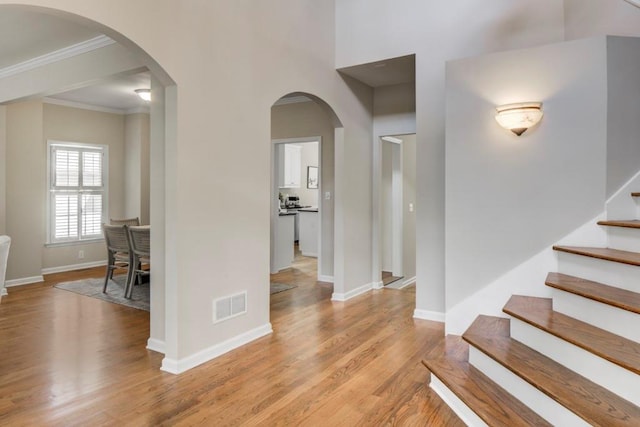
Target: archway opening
pixel 73 53
pixel 304 134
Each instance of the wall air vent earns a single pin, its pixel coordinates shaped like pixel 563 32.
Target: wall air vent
pixel 230 306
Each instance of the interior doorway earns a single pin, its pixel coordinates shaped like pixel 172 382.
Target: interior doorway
pixel 396 228
pixel 296 216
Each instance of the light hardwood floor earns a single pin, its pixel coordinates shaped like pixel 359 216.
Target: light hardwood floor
pixel 71 360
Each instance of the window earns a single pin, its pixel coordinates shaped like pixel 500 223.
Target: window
pixel 78 191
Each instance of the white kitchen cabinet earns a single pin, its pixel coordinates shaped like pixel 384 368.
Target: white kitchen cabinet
pixel 290 161
pixel 308 243
pixel 283 246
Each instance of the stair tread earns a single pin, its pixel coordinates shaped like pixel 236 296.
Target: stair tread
pixel 627 223
pixel 610 295
pixel 635 194
pixel 592 403
pixel 538 312
pixel 493 404
pixel 607 254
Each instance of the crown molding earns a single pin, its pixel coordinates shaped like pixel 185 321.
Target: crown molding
pixel 142 109
pixel 83 106
pixel 57 55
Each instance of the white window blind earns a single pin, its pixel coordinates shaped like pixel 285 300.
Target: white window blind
pixel 78 193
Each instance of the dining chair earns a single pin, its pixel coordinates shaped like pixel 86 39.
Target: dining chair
pixel 125 221
pixel 118 253
pixel 140 246
pixel 5 243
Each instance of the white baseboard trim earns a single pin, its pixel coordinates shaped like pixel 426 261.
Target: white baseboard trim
pixel 409 281
pixel 434 316
pixel 377 285
pixel 352 293
pixel 156 345
pixel 4 292
pixel 23 281
pixel 309 254
pixel 73 267
pixel 174 366
pixel 323 278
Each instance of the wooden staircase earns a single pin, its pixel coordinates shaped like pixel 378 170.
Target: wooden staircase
pixel 570 360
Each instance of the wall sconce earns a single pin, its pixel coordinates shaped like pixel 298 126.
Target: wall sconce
pixel 519 117
pixel 144 94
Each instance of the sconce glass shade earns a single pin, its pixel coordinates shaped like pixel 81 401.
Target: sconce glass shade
pixel 144 94
pixel 519 117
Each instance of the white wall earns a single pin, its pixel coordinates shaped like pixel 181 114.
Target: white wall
pixel 371 30
pixel 409 197
pixel 586 18
pixel 386 207
pixel 509 197
pixel 26 180
pixel 3 168
pixel 623 107
pixel 136 165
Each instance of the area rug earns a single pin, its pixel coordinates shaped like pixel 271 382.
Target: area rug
pixel 280 287
pixel 115 291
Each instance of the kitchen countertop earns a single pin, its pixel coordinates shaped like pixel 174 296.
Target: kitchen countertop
pixel 286 213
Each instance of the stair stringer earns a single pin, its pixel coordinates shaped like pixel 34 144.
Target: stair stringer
pixel 525 279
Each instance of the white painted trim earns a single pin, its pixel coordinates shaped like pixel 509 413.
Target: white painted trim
pixel 378 285
pixel 534 398
pixel 409 281
pixel 352 293
pixel 142 109
pixel 434 316
pixel 23 281
pixel 156 345
pixel 82 106
pixel 179 366
pixel 73 267
pixel 624 188
pixel 4 292
pixel 323 278
pixel 463 412
pixel 310 254
pixel 57 55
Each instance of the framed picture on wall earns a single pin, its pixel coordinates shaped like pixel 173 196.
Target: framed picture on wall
pixel 312 177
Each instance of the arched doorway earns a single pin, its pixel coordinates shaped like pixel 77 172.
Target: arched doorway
pixel 38 81
pixel 300 121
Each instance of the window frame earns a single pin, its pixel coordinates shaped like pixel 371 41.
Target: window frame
pixel 51 191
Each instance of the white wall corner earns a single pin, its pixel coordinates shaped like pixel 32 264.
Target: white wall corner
pixel 621 205
pixel 352 293
pixel 156 345
pixel 434 316
pixel 324 278
pixel 378 285
pixel 178 366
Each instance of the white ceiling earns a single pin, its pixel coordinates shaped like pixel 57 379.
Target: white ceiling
pixel 25 35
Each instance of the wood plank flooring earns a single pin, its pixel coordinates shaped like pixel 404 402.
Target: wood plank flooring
pixel 70 360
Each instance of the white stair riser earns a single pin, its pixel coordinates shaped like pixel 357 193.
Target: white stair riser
pixel 616 379
pixel 458 406
pixel 612 319
pixel 539 402
pixel 622 276
pixel 626 239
